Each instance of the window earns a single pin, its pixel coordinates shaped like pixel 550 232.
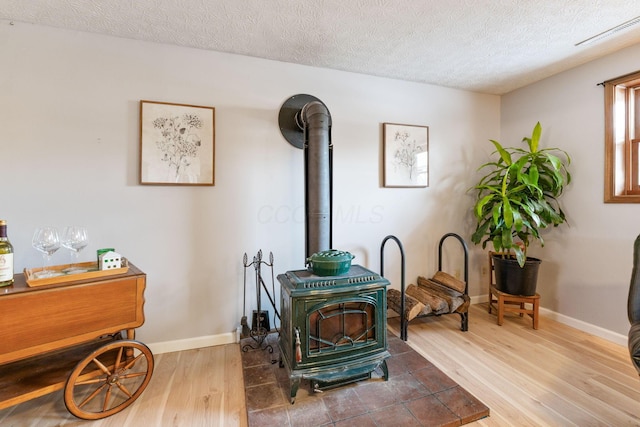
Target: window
pixel 622 139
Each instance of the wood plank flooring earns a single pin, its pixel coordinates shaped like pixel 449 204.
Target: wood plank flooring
pixel 194 388
pixel 553 376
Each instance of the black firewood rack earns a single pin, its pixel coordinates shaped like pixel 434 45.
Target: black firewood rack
pixel 404 321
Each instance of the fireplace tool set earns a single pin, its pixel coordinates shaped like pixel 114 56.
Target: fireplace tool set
pixel 260 326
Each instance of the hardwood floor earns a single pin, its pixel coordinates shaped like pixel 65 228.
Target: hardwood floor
pixel 194 388
pixel 553 376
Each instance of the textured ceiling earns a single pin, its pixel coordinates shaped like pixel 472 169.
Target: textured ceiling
pixel 490 46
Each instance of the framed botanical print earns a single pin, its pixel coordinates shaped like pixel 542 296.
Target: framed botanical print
pixel 177 143
pixel 406 155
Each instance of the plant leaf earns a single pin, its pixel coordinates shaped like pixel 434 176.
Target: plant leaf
pixel 507 212
pixel 481 204
pixel 520 256
pixel 504 154
pixel 535 138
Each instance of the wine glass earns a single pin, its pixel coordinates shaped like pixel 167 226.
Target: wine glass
pixel 75 239
pixel 47 241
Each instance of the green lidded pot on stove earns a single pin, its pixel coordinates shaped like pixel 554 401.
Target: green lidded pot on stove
pixel 330 263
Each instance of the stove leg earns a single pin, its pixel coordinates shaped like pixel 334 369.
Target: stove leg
pixel 385 370
pixel 295 384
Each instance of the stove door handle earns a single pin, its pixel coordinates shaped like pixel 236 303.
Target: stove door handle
pixel 298 350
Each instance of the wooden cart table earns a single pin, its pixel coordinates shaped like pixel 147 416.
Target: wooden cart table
pixel 77 336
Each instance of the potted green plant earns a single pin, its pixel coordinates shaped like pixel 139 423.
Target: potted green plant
pixel 516 199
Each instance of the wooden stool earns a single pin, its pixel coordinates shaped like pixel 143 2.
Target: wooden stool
pixel 513 304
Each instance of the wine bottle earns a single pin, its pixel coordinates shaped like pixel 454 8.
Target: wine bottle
pixel 6 256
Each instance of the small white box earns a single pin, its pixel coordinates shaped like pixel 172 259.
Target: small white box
pixel 110 260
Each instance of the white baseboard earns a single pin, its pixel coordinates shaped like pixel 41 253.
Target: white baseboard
pixel 192 343
pixel 233 337
pixel 606 334
pixel 480 299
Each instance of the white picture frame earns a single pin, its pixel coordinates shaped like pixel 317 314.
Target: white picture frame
pixel 406 155
pixel 177 144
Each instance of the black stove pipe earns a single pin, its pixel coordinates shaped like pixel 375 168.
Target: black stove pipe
pixel 318 163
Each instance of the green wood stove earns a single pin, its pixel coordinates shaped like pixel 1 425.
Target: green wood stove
pixel 333 328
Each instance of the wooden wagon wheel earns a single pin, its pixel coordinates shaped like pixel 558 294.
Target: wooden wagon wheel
pixel 108 380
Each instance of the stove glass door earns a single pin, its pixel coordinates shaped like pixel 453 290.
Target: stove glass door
pixel 344 324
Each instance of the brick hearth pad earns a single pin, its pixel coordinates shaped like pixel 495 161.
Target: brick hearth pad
pixel 417 393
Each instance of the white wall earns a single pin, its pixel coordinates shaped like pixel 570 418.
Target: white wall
pixel 69 145
pixel 586 266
